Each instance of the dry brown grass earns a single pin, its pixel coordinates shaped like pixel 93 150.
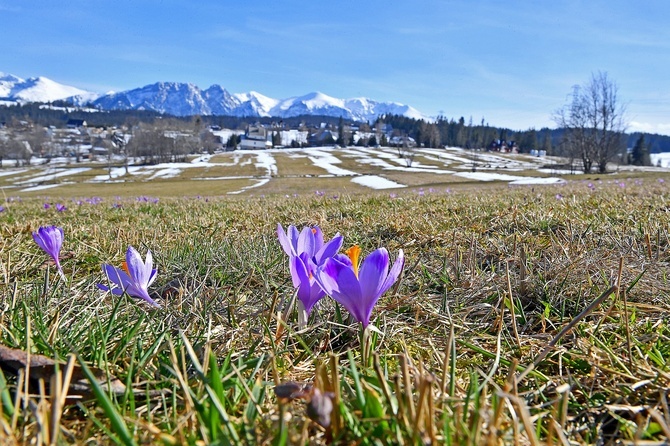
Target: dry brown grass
pixel 496 278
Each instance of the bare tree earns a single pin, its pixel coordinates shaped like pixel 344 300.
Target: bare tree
pixel 209 141
pixel 119 141
pixel 406 151
pixel 594 123
pixel 149 141
pixel 21 141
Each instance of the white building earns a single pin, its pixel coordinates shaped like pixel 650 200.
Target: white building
pixel 256 137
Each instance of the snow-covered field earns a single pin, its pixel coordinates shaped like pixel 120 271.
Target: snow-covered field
pixel 660 159
pixel 365 167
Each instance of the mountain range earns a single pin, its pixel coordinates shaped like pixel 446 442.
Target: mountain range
pixel 185 99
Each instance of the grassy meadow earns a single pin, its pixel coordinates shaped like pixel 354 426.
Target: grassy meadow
pixel 528 315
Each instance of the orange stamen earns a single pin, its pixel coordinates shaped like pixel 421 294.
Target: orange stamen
pixel 125 267
pixel 354 253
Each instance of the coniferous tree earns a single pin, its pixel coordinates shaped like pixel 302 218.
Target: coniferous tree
pixel 460 133
pixel 546 143
pixel 276 139
pixel 340 132
pixel 640 155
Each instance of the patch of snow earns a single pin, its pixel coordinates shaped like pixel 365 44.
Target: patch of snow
pixel 488 176
pixel 550 180
pixel 40 187
pixel 201 159
pixel 375 158
pixel 258 184
pixel 12 172
pixel 266 161
pixel 660 159
pixel 327 162
pixel 52 176
pixel 116 172
pixel 376 182
pixel 559 171
pixel 168 172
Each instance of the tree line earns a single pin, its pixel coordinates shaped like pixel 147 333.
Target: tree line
pixel 590 130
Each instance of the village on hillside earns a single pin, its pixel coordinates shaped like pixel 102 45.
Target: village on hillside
pixel 172 140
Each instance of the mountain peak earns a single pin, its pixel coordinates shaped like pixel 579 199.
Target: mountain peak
pixel 36 89
pixel 185 99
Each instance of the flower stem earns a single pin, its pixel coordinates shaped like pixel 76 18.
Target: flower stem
pixel 365 346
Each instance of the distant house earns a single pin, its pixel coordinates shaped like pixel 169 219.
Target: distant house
pixel 323 137
pixel 256 137
pixel 75 123
pixel 503 146
pixel 402 141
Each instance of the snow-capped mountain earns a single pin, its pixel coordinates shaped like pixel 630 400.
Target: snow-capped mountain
pixel 315 103
pixel 37 89
pixel 357 109
pixel 367 107
pixel 174 98
pixel 185 99
pixel 255 104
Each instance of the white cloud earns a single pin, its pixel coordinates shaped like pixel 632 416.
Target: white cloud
pixel 647 127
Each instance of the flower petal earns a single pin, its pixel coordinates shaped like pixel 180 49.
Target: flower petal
pixel 152 277
pixel 299 269
pixel 115 291
pixel 293 236
pixel 339 281
pixel 284 240
pixel 372 274
pixel 37 236
pixel 316 293
pixel 309 291
pixel 306 241
pixel 117 276
pixel 329 249
pixel 137 269
pixel 393 275
pixel 142 293
pixel 318 239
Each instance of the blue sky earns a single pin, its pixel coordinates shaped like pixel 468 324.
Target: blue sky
pixel 510 62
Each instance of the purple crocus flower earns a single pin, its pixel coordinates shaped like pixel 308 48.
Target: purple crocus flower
pixel 50 239
pixel 60 207
pixel 307 251
pixel 310 241
pixel 358 292
pixel 134 279
pixel 302 273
